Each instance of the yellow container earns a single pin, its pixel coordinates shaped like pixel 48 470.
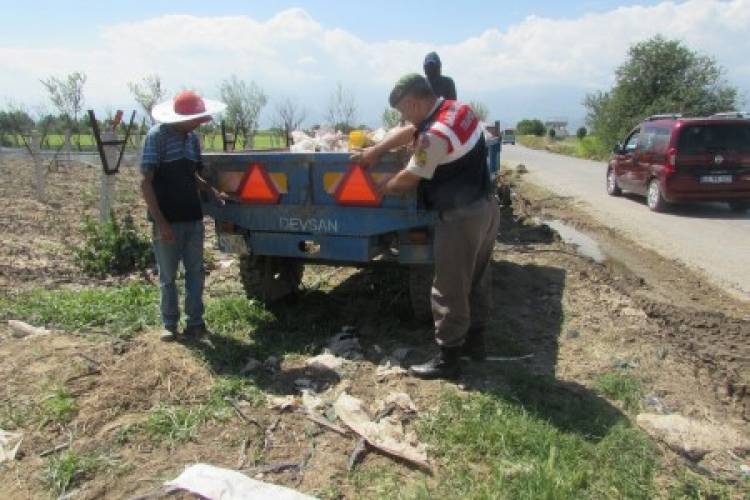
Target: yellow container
pixel 357 139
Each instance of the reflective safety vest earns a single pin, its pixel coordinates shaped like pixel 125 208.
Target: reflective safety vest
pixel 463 177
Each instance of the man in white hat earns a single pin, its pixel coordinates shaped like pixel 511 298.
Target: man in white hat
pixel 170 166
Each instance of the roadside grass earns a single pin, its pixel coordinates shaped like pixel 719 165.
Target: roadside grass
pixel 70 468
pixel 120 311
pixel 590 147
pixel 532 441
pixel 58 407
pixel 620 386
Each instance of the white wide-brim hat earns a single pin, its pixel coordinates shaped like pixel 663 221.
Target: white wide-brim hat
pixel 186 106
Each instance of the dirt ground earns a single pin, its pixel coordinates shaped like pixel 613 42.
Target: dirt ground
pixel 685 339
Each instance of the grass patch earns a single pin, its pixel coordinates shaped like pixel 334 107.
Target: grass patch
pixel 13 415
pixel 70 468
pixel 59 407
pixel 620 386
pixel 691 486
pixel 119 311
pixel 526 445
pixel 237 388
pixel 178 424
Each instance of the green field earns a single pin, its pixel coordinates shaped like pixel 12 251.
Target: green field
pixel 264 139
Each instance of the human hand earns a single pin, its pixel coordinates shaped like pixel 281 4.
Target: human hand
pixel 366 157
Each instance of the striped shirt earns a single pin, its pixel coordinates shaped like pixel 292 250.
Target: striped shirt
pixel 166 144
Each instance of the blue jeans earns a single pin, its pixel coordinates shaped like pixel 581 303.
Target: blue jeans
pixel 188 248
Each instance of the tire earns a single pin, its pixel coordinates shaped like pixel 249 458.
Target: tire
pixel 269 279
pixel 654 198
pixel 613 189
pixel 739 206
pixel 420 290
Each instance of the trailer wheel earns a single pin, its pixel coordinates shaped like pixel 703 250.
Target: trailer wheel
pixel 420 289
pixel 269 279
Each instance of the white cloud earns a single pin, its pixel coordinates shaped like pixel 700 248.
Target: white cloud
pixel 292 54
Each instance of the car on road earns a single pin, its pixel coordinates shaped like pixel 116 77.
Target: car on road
pixel 671 159
pixel 509 136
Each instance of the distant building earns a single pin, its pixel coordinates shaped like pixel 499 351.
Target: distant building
pixel 559 125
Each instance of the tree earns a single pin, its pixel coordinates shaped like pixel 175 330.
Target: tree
pixel 290 116
pixel 480 109
pixel 66 93
pixel 551 133
pixel 659 76
pixel 530 127
pixel 14 122
pixel 391 118
pixel 244 101
pixel 581 133
pixel 342 110
pixel 148 93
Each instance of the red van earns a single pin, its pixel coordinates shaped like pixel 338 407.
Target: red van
pixel 671 159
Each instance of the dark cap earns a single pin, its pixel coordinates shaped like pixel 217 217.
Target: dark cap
pixel 431 58
pixel 408 84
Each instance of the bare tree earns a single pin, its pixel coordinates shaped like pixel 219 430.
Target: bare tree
pixel 290 116
pixel 244 101
pixel 66 93
pixel 342 109
pixel 148 93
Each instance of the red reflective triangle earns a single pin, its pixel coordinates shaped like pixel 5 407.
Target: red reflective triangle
pixel 357 189
pixel 257 186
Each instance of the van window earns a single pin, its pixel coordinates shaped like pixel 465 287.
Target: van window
pixel 655 139
pixel 632 143
pixel 712 138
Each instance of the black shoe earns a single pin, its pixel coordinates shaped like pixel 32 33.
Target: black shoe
pixel 473 347
pixel 195 331
pixel 168 334
pixel 444 365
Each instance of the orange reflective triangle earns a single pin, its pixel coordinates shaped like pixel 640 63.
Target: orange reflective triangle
pixel 257 186
pixel 357 188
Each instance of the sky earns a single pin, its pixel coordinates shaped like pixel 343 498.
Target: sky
pixel 532 59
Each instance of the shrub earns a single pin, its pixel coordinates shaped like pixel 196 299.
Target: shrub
pixel 113 247
pixel 551 133
pixel 530 127
pixel 581 132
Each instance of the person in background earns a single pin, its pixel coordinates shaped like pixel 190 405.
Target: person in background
pixel 442 85
pixel 170 169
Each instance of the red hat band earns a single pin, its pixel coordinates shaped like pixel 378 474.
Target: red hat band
pixel 188 102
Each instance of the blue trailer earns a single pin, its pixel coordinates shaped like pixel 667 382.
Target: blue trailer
pixel 298 208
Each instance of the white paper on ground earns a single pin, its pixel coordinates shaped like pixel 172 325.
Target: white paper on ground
pixel 10 442
pixel 216 483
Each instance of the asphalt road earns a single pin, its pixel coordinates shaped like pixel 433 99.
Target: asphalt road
pixel 707 236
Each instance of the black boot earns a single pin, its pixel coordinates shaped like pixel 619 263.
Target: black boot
pixel 474 345
pixel 444 365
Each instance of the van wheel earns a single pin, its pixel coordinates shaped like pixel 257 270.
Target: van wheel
pixel 739 206
pixel 613 189
pixel 420 290
pixel 269 279
pixel 654 198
